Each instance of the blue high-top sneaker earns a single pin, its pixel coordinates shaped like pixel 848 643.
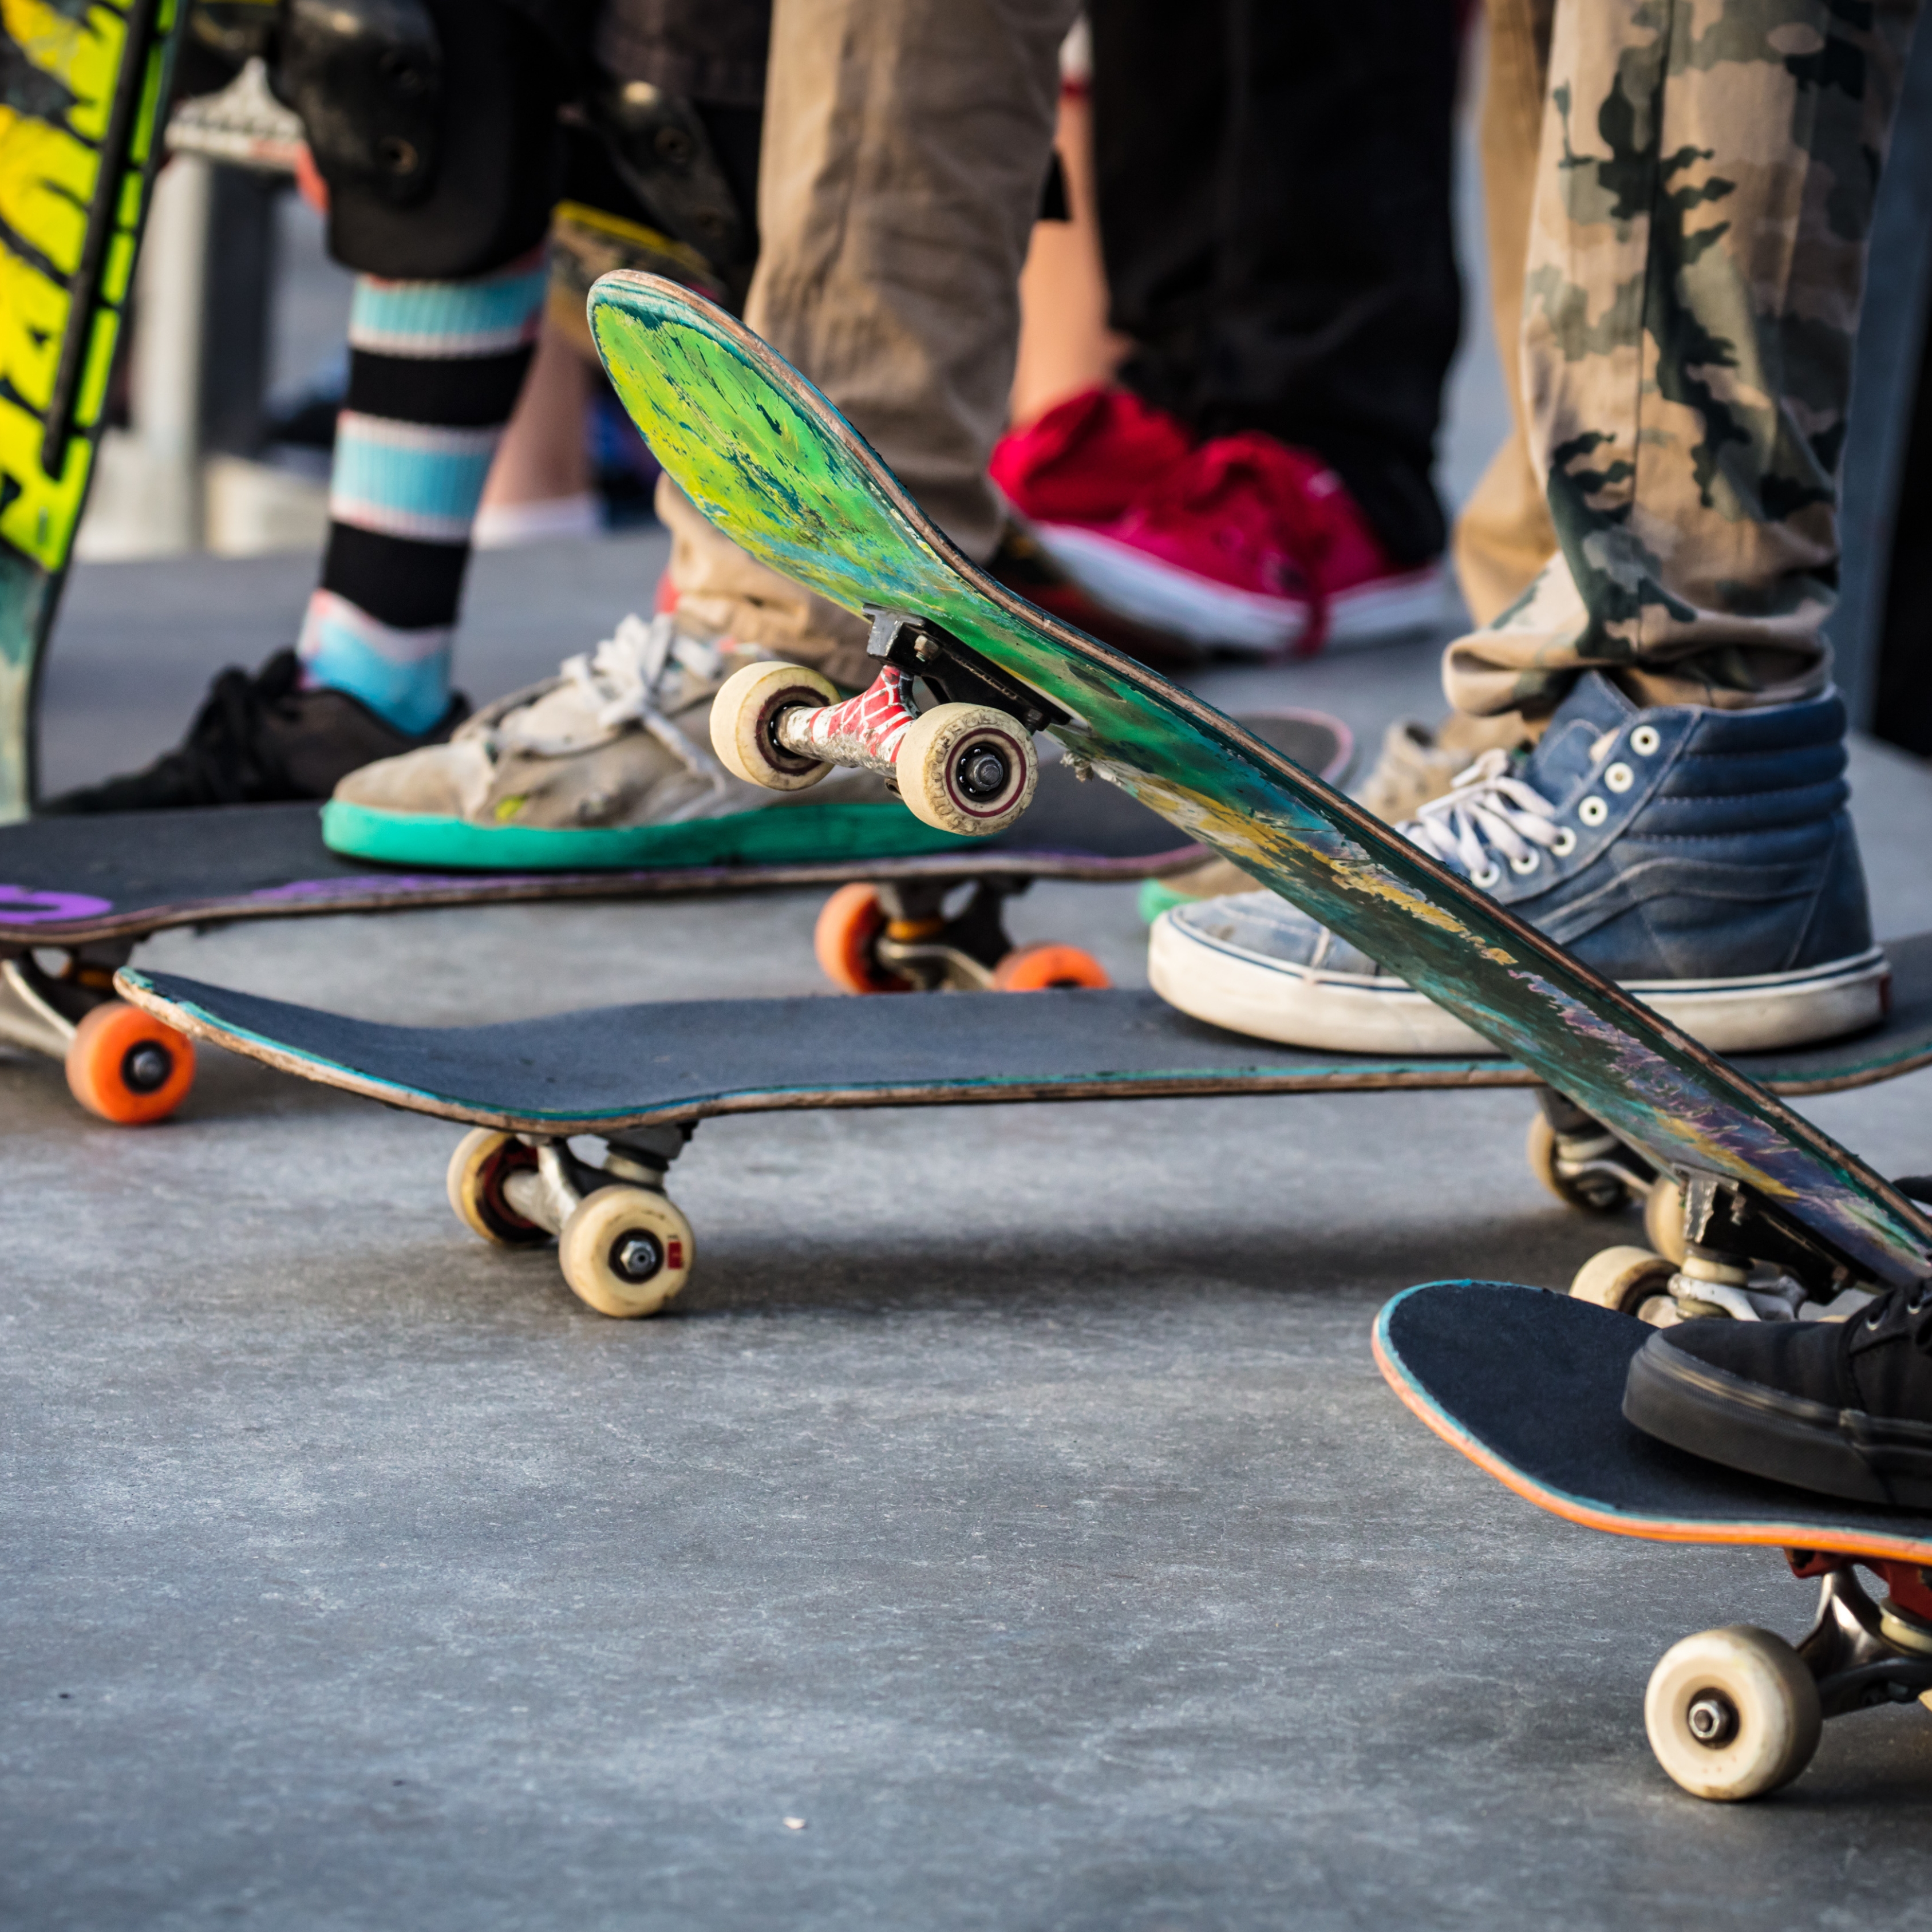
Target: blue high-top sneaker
pixel 1705 860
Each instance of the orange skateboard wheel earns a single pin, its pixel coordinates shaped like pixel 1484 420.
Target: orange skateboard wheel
pixel 126 1066
pixel 1033 969
pixel 849 924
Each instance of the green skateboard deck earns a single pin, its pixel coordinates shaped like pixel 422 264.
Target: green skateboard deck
pixel 768 460
pixel 80 92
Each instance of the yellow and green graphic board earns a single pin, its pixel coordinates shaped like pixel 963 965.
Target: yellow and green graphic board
pixel 82 86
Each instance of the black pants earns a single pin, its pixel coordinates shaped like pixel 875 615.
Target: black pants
pixel 1274 193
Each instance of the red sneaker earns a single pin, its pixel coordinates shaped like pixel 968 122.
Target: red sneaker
pixel 1247 544
pixel 1087 458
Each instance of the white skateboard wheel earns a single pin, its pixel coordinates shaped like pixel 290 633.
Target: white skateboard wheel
pixel 967 768
pixel 626 1251
pixel 1663 1220
pixel 1622 1279
pixel 483 1160
pixel 1593 1197
pixel 744 723
pixel 1732 1713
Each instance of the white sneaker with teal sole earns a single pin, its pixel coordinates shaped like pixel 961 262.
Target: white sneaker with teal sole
pixel 609 764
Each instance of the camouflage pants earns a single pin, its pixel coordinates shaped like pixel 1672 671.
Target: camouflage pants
pixel 1700 203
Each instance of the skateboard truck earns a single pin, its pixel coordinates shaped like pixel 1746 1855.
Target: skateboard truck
pixel 1717 1247
pixel 1742 1259
pixel 896 937
pixel 966 765
pixel 1581 1161
pixel 1863 1654
pixel 624 1246
pixel 1736 1712
pixel 122 1064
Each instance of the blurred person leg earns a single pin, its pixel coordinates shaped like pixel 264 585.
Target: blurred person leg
pixel 434 372
pixel 539 484
pixel 609 762
pixel 906 145
pixel 1503 536
pixel 1695 267
pixel 1065 345
pixel 444 312
pixel 1274 209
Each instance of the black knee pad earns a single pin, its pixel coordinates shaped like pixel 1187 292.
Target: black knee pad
pixel 434 123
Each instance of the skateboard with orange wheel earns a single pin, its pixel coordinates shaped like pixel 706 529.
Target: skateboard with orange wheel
pixel 923 933
pixel 78 895
pixel 1529 1387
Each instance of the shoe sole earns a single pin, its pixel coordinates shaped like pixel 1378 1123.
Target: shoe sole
pixel 1148 591
pixel 1742 1425
pixel 1347 1012
pixel 786 835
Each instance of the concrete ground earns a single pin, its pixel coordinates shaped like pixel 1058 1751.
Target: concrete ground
pixel 1009 1529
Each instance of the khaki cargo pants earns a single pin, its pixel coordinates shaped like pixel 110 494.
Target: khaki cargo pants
pixel 906 145
pixel 1680 193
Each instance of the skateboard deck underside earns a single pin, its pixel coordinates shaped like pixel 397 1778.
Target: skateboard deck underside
pixel 1529 1386
pixel 769 461
pixel 685 1059
pixel 69 881
pixel 80 88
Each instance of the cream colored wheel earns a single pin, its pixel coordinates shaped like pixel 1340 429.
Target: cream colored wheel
pixel 967 768
pixel 1663 1220
pixel 1732 1713
pixel 1596 1194
pixel 483 1161
pixel 1622 1279
pixel 626 1251
pixel 744 723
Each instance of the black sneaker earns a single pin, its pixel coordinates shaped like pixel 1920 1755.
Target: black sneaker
pixel 260 740
pixel 1843 1408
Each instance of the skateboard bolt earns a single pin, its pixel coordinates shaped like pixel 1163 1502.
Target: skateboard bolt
pixel 145 1068
pixel 983 772
pixel 636 1258
pixel 1712 1719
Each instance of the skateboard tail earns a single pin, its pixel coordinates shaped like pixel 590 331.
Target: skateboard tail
pixel 198 1023
pixel 1590 1513
pixel 764 455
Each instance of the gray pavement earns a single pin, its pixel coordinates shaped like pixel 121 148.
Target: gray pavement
pixel 1012 1498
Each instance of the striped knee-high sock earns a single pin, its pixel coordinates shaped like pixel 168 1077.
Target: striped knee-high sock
pixel 434 368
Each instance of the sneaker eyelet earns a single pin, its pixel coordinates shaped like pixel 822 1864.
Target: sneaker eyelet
pixel 1644 741
pixel 1483 880
pixel 1564 844
pixel 1527 864
pixel 1620 777
pixel 1593 811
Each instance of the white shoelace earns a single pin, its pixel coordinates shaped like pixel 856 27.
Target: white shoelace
pixel 628 679
pixel 621 680
pixel 1488 809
